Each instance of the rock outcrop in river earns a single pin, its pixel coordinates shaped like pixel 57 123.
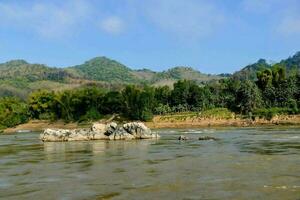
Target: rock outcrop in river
pixel 111 131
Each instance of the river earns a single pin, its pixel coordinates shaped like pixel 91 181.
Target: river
pixel 246 163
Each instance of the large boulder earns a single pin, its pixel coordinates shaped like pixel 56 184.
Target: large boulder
pixel 80 135
pixel 121 134
pixel 139 130
pixel 55 135
pixel 103 131
pixel 98 131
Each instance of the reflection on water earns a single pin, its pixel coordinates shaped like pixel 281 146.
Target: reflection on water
pixel 248 163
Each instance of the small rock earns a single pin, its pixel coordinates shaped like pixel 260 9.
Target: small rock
pixel 207 138
pixel 183 137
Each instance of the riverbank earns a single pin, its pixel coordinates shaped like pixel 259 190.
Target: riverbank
pixel 186 121
pixel 169 121
pixel 40 125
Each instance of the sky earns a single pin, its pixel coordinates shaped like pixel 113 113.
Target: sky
pixel 213 36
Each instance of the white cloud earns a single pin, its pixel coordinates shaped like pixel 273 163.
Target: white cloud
pixel 54 19
pixel 45 18
pixel 192 19
pixel 112 25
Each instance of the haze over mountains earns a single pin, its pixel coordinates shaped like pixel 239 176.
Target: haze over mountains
pixel 18 77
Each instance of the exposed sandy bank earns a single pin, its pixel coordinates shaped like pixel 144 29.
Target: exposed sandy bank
pixel 181 121
pixel 168 121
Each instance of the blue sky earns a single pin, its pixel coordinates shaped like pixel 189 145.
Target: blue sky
pixel 213 36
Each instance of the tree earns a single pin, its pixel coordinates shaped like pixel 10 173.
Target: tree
pixel 139 103
pixel 162 95
pixel 162 109
pixel 278 74
pixel 195 96
pixel 83 102
pixel 248 97
pixel 12 112
pixel 112 103
pixel 180 93
pixel 42 104
pixel 131 96
pixel 264 78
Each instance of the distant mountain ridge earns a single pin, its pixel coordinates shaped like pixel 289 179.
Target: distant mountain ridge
pixel 18 77
pixel 292 65
pixel 97 69
pixel 107 70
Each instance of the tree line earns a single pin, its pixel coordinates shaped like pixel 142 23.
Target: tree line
pixel 271 93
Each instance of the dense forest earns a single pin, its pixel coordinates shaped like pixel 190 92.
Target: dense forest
pixel 271 92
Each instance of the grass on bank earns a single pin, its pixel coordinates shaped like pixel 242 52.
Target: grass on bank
pixel 215 113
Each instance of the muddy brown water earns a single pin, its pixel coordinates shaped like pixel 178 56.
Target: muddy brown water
pixel 246 163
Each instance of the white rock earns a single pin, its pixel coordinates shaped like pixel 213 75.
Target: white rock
pixel 111 131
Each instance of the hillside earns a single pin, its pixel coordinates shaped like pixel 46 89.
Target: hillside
pixel 172 75
pixel 18 77
pixel 20 69
pixel 293 62
pixel 107 70
pixel 249 72
pixel 292 65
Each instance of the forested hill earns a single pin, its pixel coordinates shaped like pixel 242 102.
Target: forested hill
pixel 292 65
pixel 20 69
pixel 18 77
pixel 107 70
pixel 170 76
pixel 104 69
pixel 292 62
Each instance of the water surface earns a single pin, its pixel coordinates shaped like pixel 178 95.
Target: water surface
pixel 246 163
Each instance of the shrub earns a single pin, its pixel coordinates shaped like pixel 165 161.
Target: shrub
pixel 222 113
pixel 269 113
pixel 147 115
pixel 92 114
pixel 12 112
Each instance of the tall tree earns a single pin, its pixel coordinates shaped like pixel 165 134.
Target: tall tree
pixel 248 97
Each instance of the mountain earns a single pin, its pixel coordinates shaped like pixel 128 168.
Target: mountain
pixel 20 69
pixel 249 72
pixel 107 70
pixel 292 65
pixel 18 77
pixel 172 75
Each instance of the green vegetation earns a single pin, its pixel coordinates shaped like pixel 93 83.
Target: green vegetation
pixel 274 90
pixel 19 78
pixel 291 64
pixel 273 93
pixel 104 69
pixel 219 113
pixel 12 112
pixel 269 113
